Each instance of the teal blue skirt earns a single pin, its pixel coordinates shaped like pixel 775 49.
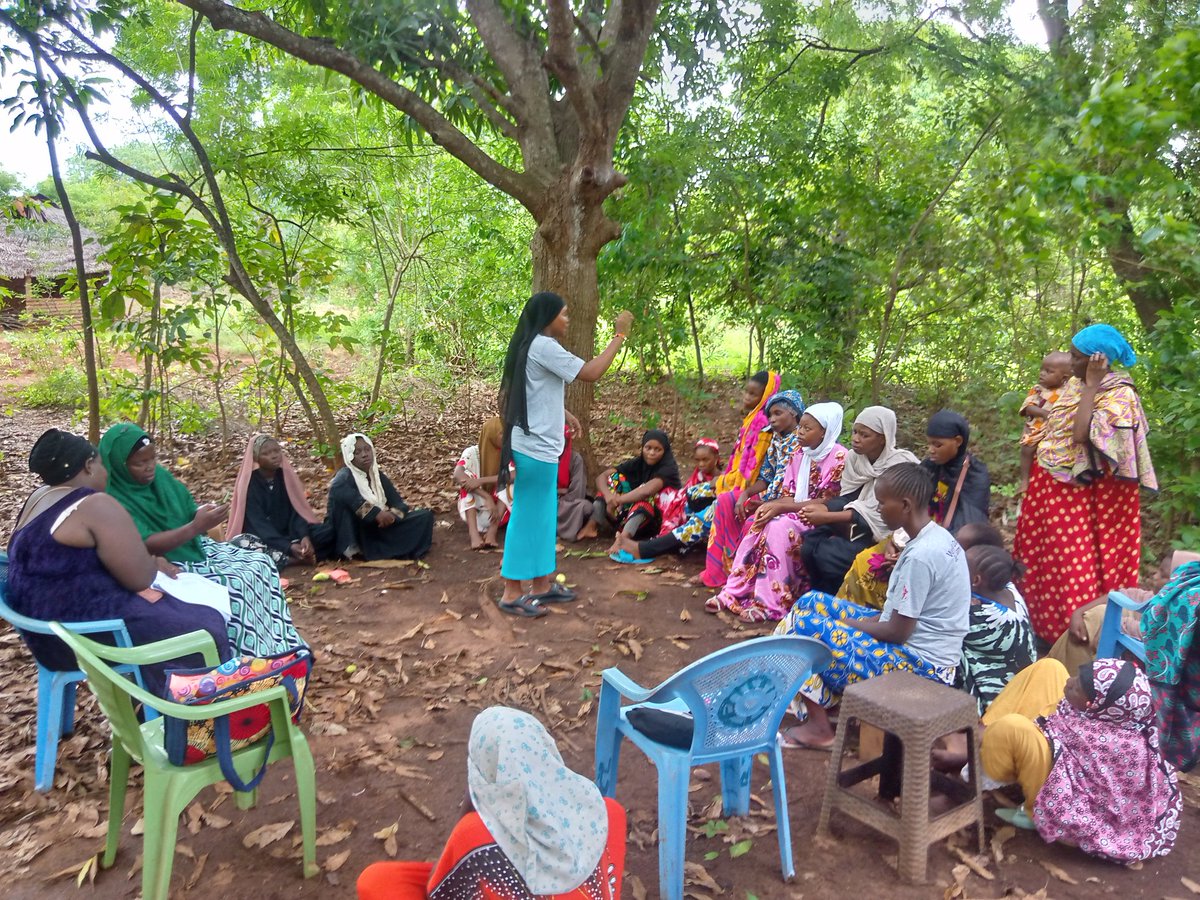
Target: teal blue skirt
pixel 533 525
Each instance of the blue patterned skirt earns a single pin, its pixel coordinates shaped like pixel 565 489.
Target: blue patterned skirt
pixel 261 623
pixel 856 655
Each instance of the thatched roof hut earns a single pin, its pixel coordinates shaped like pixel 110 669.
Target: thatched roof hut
pixel 36 257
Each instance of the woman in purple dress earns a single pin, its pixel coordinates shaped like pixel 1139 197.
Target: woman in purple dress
pixel 76 556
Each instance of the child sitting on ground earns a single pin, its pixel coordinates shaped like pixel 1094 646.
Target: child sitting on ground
pixel 923 622
pixel 476 504
pixel 672 502
pixel 629 492
pixel 1056 371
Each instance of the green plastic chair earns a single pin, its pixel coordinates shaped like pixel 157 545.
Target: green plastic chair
pixel 168 788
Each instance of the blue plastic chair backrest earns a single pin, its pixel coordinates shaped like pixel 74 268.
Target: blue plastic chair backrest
pixel 1111 636
pixel 739 694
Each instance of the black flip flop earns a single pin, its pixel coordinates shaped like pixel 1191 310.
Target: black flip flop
pixel 557 594
pixel 526 606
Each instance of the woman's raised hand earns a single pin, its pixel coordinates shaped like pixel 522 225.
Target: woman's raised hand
pixel 624 322
pixel 1097 368
pixel 210 515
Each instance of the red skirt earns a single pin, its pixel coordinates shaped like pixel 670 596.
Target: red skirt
pixel 1078 542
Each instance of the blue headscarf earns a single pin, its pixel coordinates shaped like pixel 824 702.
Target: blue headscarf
pixel 1107 340
pixel 790 398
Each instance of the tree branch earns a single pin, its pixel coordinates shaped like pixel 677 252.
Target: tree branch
pixel 522 69
pixel 327 55
pixel 562 60
pixel 627 31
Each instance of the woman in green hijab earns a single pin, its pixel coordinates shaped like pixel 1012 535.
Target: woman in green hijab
pixel 172 525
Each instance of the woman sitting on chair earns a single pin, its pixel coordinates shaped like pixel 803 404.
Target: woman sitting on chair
pixel 172 525
pixel 76 556
pixel 532 828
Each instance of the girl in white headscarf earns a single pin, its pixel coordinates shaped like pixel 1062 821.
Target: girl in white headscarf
pixel 370 518
pixel 850 523
pixel 534 827
pixel 767 576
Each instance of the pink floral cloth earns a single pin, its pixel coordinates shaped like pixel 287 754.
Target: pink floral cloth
pixel 1116 436
pixel 673 502
pixel 767 574
pixel 1110 792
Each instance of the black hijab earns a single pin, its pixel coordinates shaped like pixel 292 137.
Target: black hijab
pixel 540 310
pixel 59 456
pixel 976 495
pixel 637 471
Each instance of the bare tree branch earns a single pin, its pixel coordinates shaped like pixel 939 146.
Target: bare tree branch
pixel 255 24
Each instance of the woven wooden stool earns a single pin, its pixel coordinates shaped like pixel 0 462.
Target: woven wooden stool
pixel 914 712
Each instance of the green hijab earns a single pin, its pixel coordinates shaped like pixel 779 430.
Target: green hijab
pixel 162 505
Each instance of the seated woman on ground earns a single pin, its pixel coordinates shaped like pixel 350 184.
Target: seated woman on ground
pixel 730 512
pixel 921 626
pixel 76 556
pixel 1085 753
pixel 999 642
pixel 742 468
pixel 270 512
pixel 477 503
pixel 369 517
pixel 172 525
pixel 962 495
pixel 532 827
pixel 574 505
pixel 767 576
pixel 628 493
pixel 849 523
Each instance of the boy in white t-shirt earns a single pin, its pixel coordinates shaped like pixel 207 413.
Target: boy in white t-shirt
pixel 921 626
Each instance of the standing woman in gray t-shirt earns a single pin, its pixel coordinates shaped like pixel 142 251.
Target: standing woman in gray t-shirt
pixel 536 372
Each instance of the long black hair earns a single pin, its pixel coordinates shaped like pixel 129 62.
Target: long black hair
pixel 540 310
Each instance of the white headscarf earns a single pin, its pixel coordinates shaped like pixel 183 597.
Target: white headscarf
pixel 860 472
pixel 550 822
pixel 369 484
pixel 829 415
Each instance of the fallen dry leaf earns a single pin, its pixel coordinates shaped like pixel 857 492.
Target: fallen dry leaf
pixel 1057 871
pixel 333 836
pixel 999 839
pixel 973 863
pixel 636 887
pixel 1191 885
pixel 268 834
pixel 197 871
pixel 335 862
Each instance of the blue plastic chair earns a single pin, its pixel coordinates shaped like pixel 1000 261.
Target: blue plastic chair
pixel 1113 641
pixel 737 698
pixel 56 690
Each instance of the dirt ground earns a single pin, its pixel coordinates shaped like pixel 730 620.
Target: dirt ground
pixel 406 657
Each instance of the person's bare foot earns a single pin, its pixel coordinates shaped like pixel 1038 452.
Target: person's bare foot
pixel 810 735
pixel 950 753
pixel 628 544
pixel 589 531
pixel 491 540
pixel 614 546
pixel 476 540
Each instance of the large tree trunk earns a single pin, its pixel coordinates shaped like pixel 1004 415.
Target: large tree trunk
pixel 565 247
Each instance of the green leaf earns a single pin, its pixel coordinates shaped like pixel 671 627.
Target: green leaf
pixel 741 848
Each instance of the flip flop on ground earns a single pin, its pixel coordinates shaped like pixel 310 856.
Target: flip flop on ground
pixel 557 594
pixel 526 606
pixel 791 743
